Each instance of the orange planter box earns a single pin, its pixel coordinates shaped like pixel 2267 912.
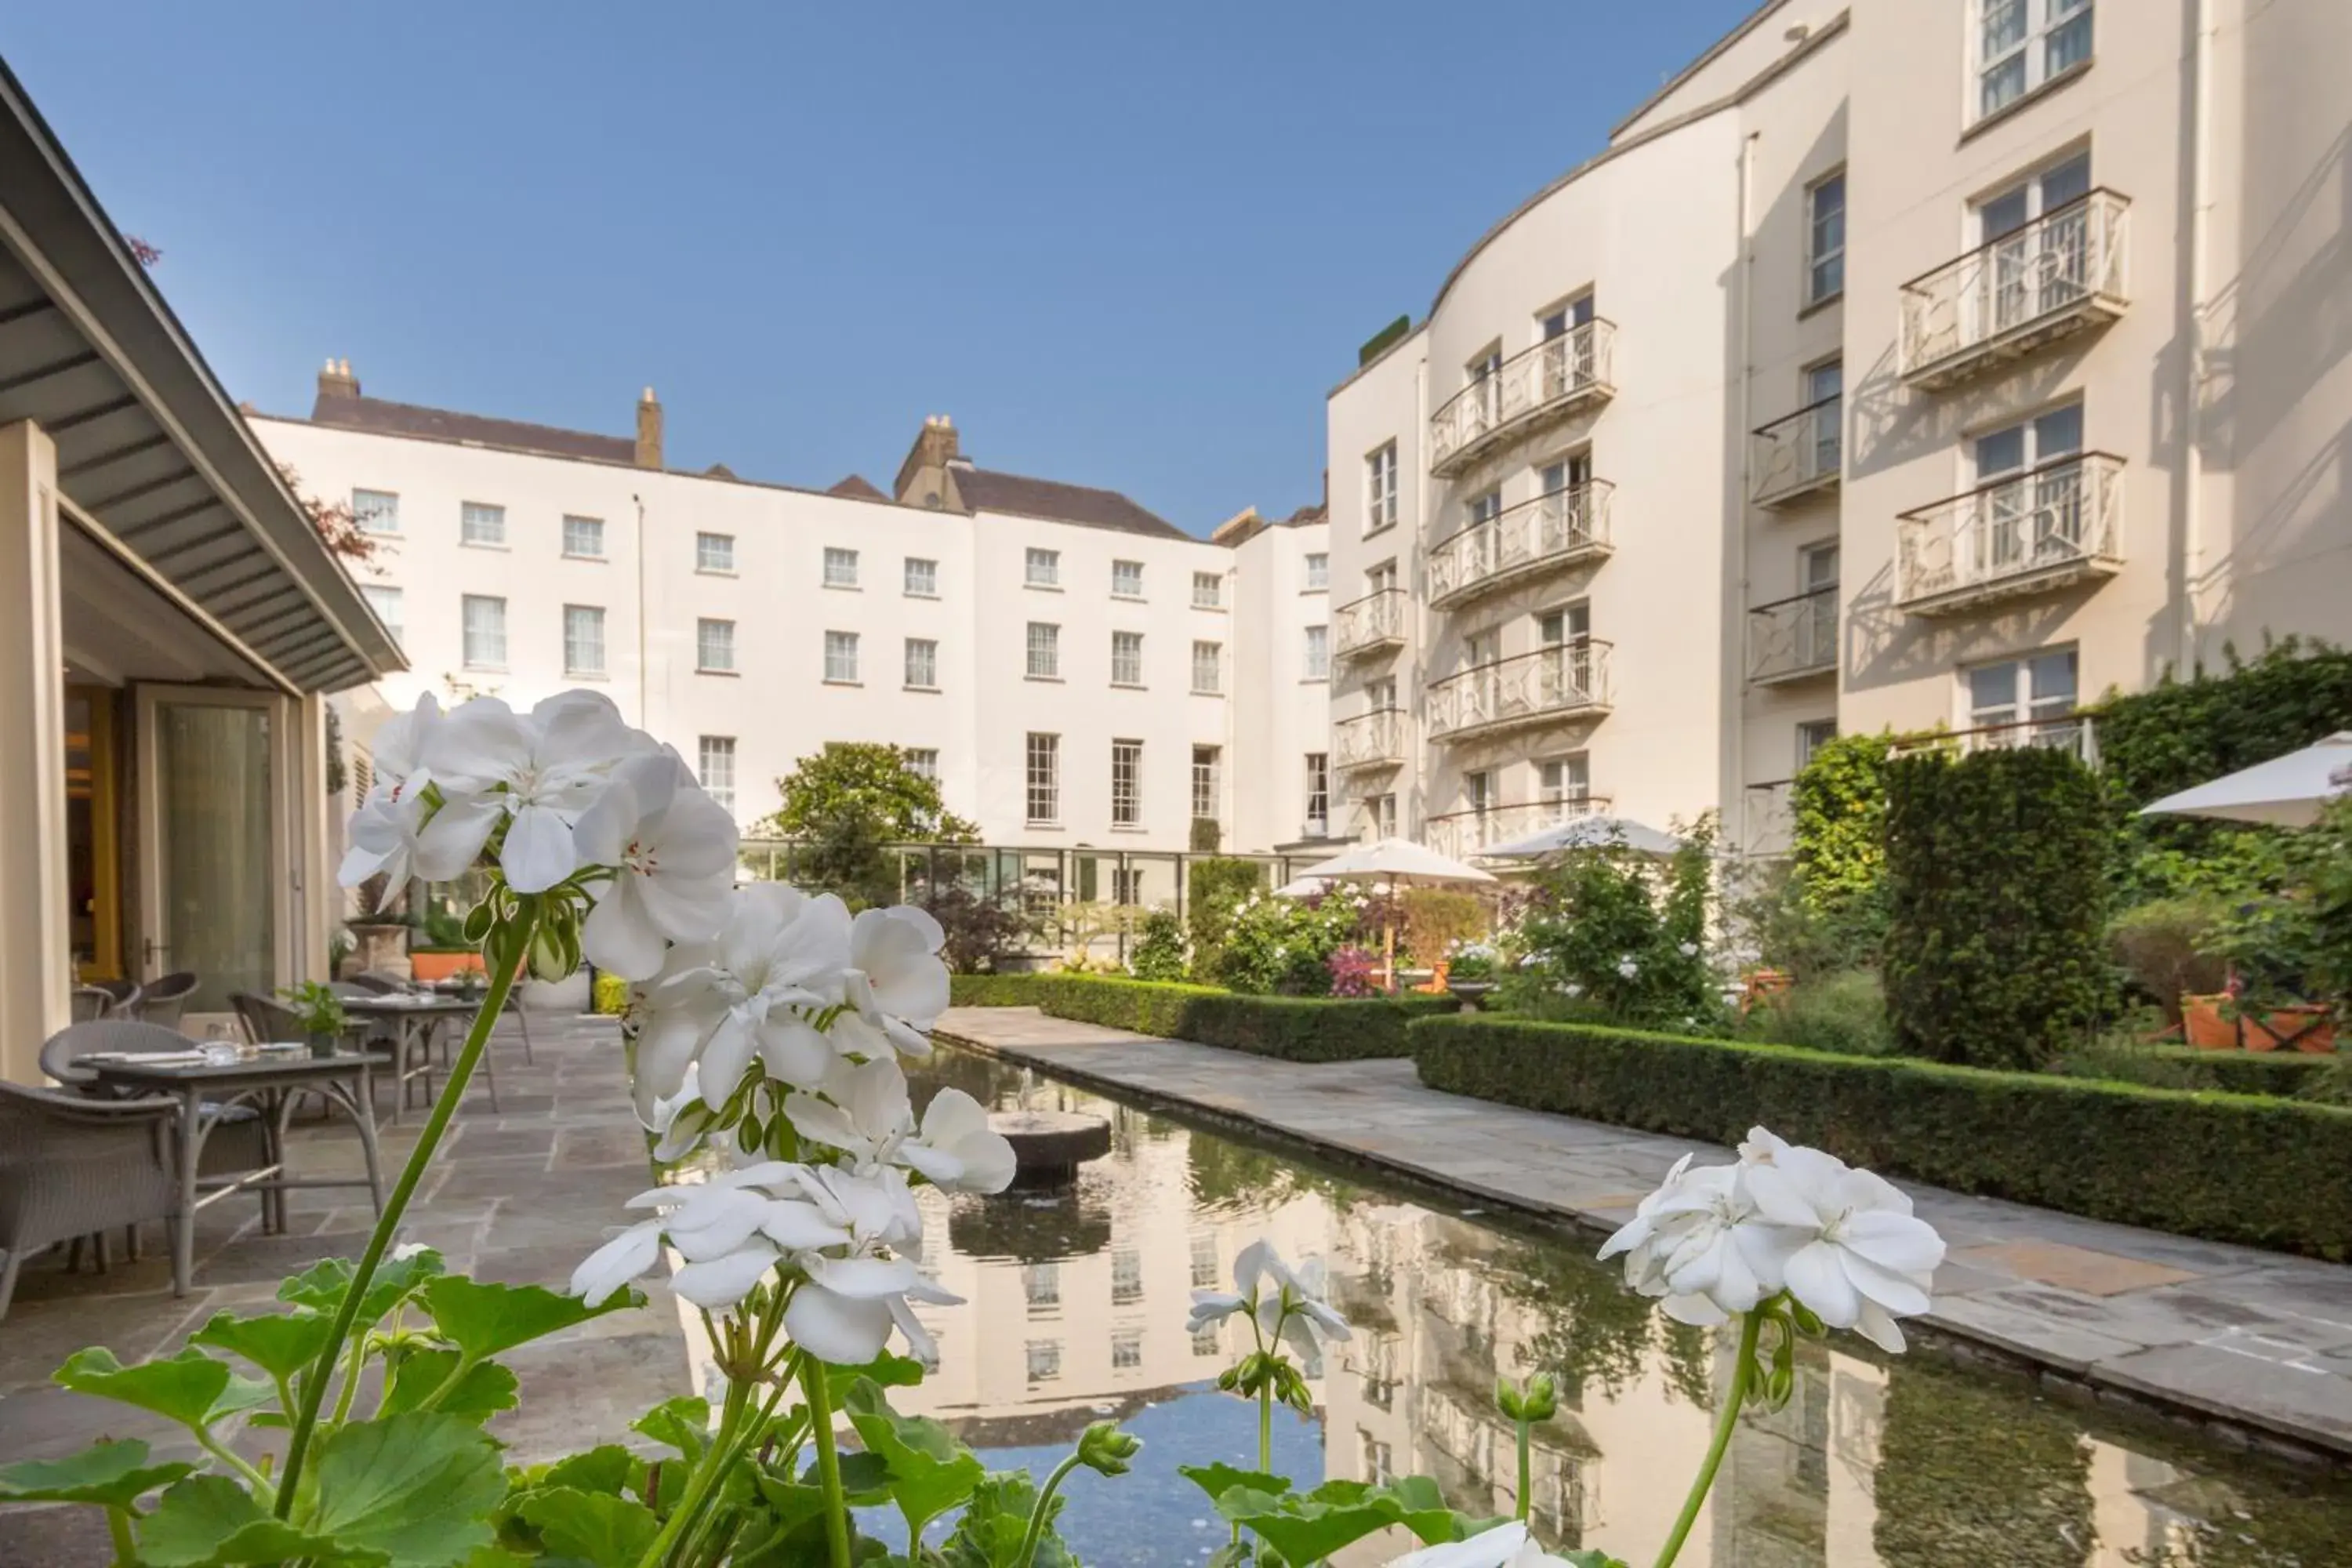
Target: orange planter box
pixel 2205 1025
pixel 428 967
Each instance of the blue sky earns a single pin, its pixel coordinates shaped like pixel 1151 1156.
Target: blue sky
pixel 1121 245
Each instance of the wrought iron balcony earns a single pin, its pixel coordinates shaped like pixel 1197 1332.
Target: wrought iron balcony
pixel 1794 638
pixel 1563 681
pixel 1374 739
pixel 1370 625
pixel 2060 274
pixel 2065 731
pixel 1555 530
pixel 1464 834
pixel 1534 386
pixel 1796 456
pixel 2047 529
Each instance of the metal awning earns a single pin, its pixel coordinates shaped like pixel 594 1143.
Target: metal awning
pixel 150 448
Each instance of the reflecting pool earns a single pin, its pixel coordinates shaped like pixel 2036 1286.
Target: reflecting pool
pixel 1074 1310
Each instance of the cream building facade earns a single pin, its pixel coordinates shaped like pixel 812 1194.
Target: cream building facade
pixel 1077 672
pixel 1879 373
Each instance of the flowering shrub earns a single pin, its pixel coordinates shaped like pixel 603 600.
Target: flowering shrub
pixel 769 1028
pixel 1160 950
pixel 1352 969
pixel 1612 935
pixel 1472 960
pixel 1282 946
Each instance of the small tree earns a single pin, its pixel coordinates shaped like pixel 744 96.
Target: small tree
pixel 981 931
pixel 1997 902
pixel 846 804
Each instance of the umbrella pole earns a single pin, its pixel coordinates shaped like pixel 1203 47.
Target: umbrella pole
pixel 1388 933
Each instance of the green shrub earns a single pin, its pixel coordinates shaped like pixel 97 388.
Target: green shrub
pixel 1435 920
pixel 2282 1075
pixel 1160 948
pixel 1838 809
pixel 1213 890
pixel 1844 1013
pixel 994 990
pixel 2268 1172
pixel 2168 947
pixel 1996 876
pixel 611 995
pixel 1282 946
pixel 1620 932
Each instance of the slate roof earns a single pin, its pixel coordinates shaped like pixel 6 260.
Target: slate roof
pixel 984 489
pixel 377 417
pixel 856 488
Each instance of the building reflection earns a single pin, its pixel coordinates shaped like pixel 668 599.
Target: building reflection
pixel 1075 1309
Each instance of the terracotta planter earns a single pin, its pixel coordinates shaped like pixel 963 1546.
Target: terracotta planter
pixel 2208 1024
pixel 428 967
pixel 2306 1027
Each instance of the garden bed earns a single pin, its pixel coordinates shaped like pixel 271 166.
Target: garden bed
pixel 2259 1171
pixel 1293 1028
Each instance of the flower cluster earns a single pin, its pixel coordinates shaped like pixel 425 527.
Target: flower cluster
pixel 1288 1305
pixel 1723 1240
pixel 566 798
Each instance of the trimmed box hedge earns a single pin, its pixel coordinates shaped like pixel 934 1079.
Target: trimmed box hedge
pixel 2283 1074
pixel 2264 1172
pixel 1295 1028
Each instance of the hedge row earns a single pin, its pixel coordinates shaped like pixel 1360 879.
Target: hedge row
pixel 2267 1172
pixel 1296 1028
pixel 2285 1074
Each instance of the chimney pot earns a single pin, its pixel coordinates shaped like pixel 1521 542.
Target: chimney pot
pixel 337 380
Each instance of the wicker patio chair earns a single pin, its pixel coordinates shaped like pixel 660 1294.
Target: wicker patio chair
pixel 72 1167
pixel 163 1001
pixel 91 1003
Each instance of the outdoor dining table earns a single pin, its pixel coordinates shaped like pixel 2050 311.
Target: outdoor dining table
pixel 271 1081
pixel 418 1019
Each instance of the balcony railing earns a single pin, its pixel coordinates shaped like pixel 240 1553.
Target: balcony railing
pixel 2058 731
pixel 1368 624
pixel 1563 681
pixel 1792 458
pixel 1791 639
pixel 1374 739
pixel 2034 532
pixel 1464 834
pixel 2059 274
pixel 1554 530
pixel 1553 379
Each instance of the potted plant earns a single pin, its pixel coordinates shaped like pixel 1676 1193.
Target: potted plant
pixel 1470 973
pixel 322 1016
pixel 2272 945
pixel 379 931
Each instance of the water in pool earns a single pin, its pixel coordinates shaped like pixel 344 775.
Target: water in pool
pixel 1074 1310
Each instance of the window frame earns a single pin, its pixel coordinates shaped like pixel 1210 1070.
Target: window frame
pixel 1216 666
pixel 1116 591
pixel 1381 488
pixel 397 622
pixel 1318 766
pixel 1127 808
pixel 703 537
pixel 564 537
pixel 706 748
pixel 1041 568
pixel 1049 646
pixel 466 631
pixel 704 628
pixel 2039 22
pixel 838 567
pixel 469 512
pixel 1215 581
pixel 1816 258
pixel 1121 638
pixel 362 511
pixel 841 651
pixel 928 659
pixel 907 575
pixel 1042 778
pixel 1315 653
pixel 572 669
pixel 1208 781
pixel 1315 569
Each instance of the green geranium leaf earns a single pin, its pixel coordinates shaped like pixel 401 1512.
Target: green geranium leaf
pixel 990 1533
pixel 1309 1529
pixel 886 1369
pixel 1221 1478
pixel 322 1286
pixel 609 1468
pixel 864 1478
pixel 481 1391
pixel 210 1522
pixel 110 1474
pixel 1595 1559
pixel 931 1472
pixel 418 1487
pixel 281 1345
pixel 484 1320
pixel 594 1527
pixel 183 1388
pixel 683 1424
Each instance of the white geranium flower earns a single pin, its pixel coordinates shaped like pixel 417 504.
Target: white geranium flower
pixel 384 831
pixel 1291 1302
pixel 1687 949
pixel 864 1113
pixel 1572 989
pixel 673 848
pixel 717 1229
pixel 1627 968
pixel 780 961
pixel 679 1120
pixel 540 768
pixel 895 986
pixel 1859 1258
pixel 1507 1545
pixel 1686 1243
pixel 847 1304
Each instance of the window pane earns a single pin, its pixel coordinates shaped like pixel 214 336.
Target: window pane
pixel 923 761
pixel 715 768
pixel 923 662
pixel 584 640
pixel 1126 658
pixel 922 576
pixel 841 656
pixel 1044 651
pixel 585 537
pixel 484 626
pixel 1319 653
pixel 1207 590
pixel 1127 579
pixel 480 524
pixel 1207 667
pixel 1127 781
pixel 840 568
pixel 1992 695
pixel 2058 433
pixel 714 645
pixel 714 552
pixel 376 512
pixel 2050 677
pixel 1044 778
pixel 2001 452
pixel 1319 570
pixel 1044 567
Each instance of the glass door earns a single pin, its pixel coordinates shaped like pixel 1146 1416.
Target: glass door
pixel 93 845
pixel 210 860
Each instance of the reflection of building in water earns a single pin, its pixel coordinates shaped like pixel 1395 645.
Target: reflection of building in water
pixel 1440 1311
pixel 1080 1301
pixel 1795 1490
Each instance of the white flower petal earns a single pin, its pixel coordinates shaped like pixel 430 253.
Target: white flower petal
pixel 722 1282
pixel 611 1266
pixel 834 1328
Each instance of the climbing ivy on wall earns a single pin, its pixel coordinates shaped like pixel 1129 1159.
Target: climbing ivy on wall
pixel 1838 804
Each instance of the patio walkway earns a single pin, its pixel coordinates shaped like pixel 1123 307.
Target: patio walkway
pixel 518 1197
pixel 2261 1340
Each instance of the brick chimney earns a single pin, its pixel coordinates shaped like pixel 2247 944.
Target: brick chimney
pixel 337 380
pixel 650 431
pixel 924 473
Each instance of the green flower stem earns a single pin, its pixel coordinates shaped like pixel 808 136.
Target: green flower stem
pixel 126 1550
pixel 688 1522
pixel 387 1225
pixel 1527 1443
pixel 1726 1419
pixel 1266 1429
pixel 1037 1515
pixel 828 1461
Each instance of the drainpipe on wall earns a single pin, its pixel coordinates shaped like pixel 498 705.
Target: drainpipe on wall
pixel 645 706
pixel 1737 638
pixel 2192 456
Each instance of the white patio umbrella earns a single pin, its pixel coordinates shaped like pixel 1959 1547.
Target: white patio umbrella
pixel 1397 862
pixel 1302 887
pixel 1587 832
pixel 2286 792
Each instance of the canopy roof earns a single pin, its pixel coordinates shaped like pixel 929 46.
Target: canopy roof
pixel 2287 791
pixel 1396 860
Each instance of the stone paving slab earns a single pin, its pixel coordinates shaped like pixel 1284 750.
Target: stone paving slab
pixel 2257 1340
pixel 517 1194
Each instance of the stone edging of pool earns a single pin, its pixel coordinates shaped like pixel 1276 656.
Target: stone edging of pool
pixel 2068 1356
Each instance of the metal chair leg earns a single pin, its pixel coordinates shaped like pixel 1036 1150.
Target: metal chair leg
pixel 8 1279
